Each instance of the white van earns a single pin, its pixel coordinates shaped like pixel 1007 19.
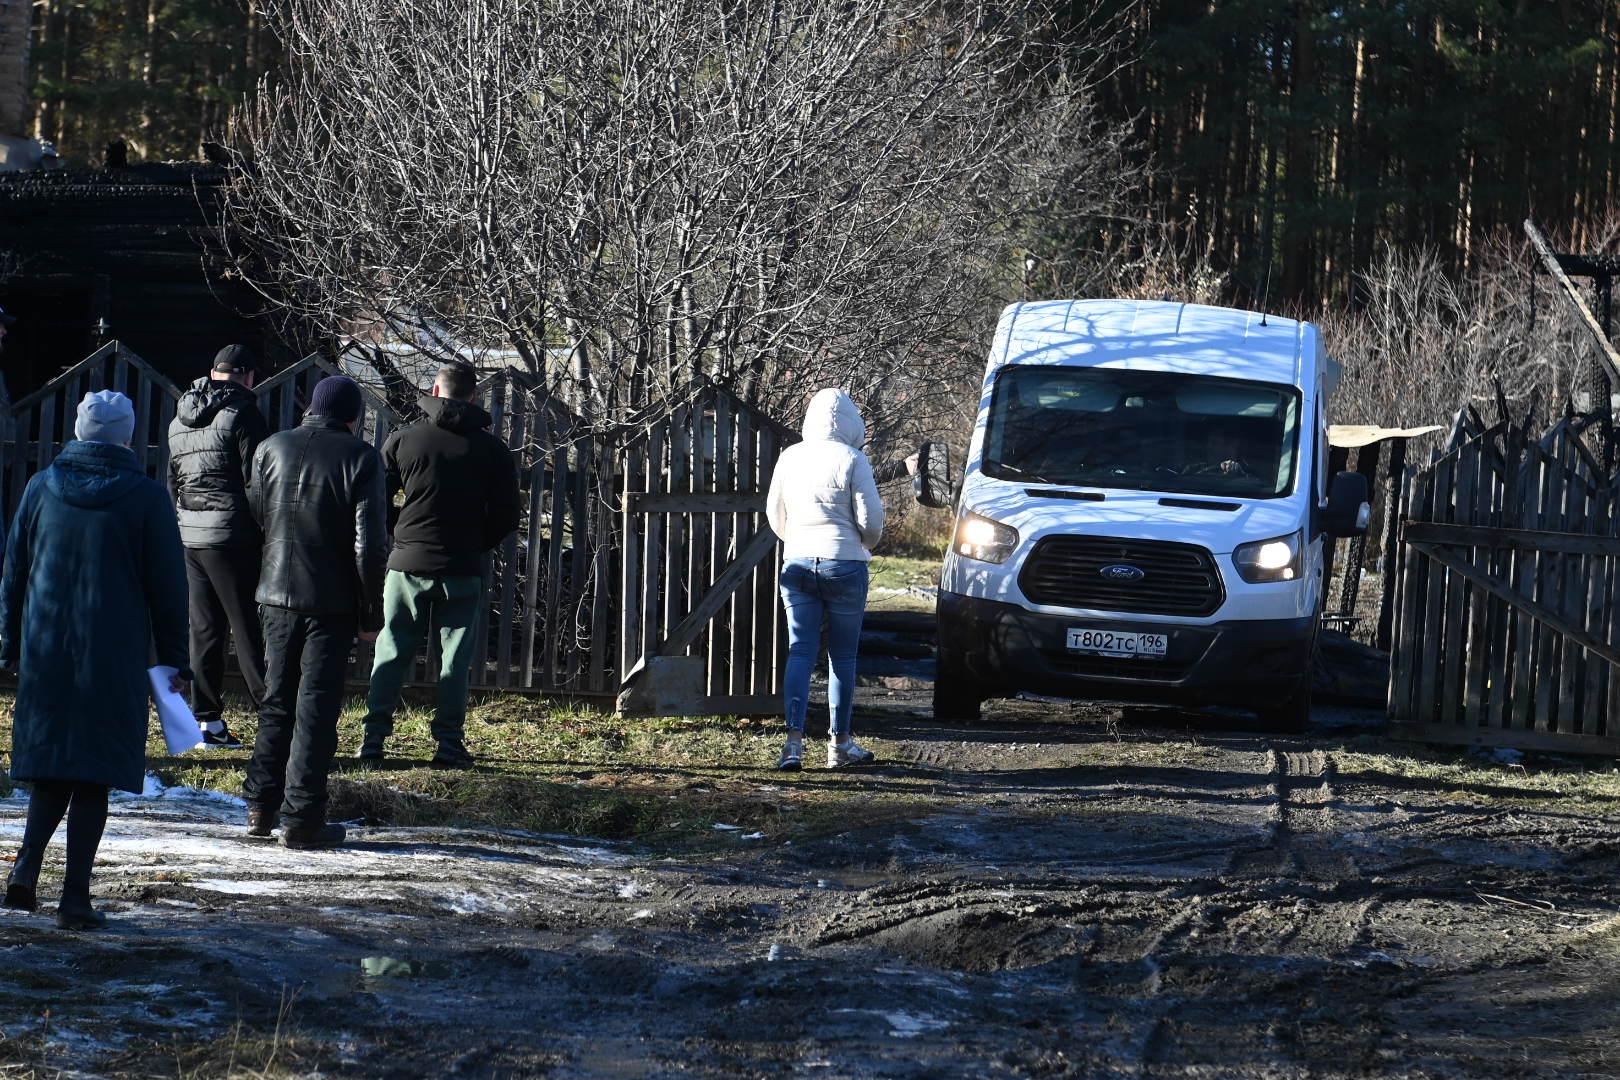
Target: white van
pixel 1143 512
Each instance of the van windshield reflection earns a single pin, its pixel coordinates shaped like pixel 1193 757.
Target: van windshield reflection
pixel 1143 430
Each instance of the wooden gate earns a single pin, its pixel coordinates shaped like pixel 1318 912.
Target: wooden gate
pixel 1509 594
pixel 41 423
pixel 547 588
pixel 283 397
pixel 701 625
pixel 550 587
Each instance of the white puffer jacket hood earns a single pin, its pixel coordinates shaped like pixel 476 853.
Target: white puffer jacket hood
pixel 824 500
pixel 833 414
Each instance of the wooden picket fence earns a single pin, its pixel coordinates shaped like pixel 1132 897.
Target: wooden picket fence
pixel 639 548
pixel 1508 595
pixel 41 423
pixel 701 626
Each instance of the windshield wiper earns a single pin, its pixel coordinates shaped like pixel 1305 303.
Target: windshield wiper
pixel 1022 474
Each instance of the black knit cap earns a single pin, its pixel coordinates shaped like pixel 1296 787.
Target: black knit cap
pixel 235 360
pixel 337 397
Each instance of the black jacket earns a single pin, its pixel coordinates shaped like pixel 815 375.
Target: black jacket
pixel 318 494
pixel 217 427
pixel 461 490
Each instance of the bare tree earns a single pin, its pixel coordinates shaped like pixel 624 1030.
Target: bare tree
pixel 775 194
pixel 1425 344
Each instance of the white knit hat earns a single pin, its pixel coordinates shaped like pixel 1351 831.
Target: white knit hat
pixel 105 416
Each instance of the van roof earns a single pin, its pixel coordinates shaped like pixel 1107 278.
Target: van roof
pixel 1155 335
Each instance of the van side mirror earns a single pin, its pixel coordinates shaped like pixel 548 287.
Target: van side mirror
pixel 1349 506
pixel 934 485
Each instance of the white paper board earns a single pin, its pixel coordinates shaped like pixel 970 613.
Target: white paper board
pixel 180 729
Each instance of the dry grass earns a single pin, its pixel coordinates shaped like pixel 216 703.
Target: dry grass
pixel 273 1051
pixel 553 768
pixel 1447 773
pixel 916 532
pixel 243 1054
pixel 903 584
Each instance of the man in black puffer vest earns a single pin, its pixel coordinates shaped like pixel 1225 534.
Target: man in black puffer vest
pixel 216 429
pixel 461 500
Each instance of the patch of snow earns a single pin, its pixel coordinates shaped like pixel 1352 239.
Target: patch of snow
pixel 630 890
pixel 242 888
pixel 721 826
pixel 910 1025
pixel 903 1025
pixel 644 913
pixel 468 903
pixel 155 790
pixel 753 836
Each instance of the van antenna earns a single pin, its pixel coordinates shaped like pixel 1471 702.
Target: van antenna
pixel 1265 290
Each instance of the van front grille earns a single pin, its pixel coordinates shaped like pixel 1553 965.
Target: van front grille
pixel 1175 579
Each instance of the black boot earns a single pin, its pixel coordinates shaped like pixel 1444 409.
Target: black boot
pixel 77 913
pixel 86 819
pixel 23 879
pixel 371 748
pixel 312 837
pixel 452 754
pixel 262 820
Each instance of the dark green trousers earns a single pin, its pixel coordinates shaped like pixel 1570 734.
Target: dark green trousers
pixel 411 604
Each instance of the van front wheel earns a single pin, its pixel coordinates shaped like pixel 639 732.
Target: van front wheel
pixel 1291 715
pixel 956 695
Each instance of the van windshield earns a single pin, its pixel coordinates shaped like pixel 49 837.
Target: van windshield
pixel 1151 430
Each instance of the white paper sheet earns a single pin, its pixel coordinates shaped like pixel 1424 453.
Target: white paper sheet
pixel 180 728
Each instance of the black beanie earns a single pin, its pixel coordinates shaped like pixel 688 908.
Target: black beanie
pixel 337 397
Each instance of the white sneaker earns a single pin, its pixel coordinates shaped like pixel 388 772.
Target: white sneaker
pixel 848 754
pixel 792 758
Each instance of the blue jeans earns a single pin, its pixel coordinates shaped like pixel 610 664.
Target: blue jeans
pixel 814 590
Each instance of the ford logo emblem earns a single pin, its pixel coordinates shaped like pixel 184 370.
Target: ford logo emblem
pixel 1122 572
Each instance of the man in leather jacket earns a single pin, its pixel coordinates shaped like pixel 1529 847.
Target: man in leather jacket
pixel 318 493
pixel 217 427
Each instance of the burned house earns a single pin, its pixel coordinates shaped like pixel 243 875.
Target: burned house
pixel 90 256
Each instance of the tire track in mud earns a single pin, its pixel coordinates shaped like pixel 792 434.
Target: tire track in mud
pixel 1303 825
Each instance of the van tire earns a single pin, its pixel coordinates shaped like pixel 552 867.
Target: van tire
pixel 1291 715
pixel 956 695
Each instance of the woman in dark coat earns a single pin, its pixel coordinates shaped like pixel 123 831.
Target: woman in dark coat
pixel 95 577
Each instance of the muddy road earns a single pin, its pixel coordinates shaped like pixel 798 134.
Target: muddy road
pixel 1229 905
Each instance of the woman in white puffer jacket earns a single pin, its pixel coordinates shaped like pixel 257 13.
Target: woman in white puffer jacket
pixel 825 506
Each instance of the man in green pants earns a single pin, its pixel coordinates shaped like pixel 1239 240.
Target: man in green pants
pixel 461 500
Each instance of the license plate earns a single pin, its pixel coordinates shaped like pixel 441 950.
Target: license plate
pixel 1117 644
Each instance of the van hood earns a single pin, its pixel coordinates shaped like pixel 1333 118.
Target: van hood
pixel 1137 514
pixel 833 415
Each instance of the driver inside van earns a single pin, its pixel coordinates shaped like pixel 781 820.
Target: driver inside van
pixel 1224 456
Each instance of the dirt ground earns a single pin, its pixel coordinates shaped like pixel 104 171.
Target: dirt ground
pixel 1078 894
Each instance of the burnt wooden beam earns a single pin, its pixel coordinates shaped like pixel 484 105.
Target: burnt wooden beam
pixel 1594 329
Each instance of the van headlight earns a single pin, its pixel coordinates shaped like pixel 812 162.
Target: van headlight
pixel 977 537
pixel 1281 559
